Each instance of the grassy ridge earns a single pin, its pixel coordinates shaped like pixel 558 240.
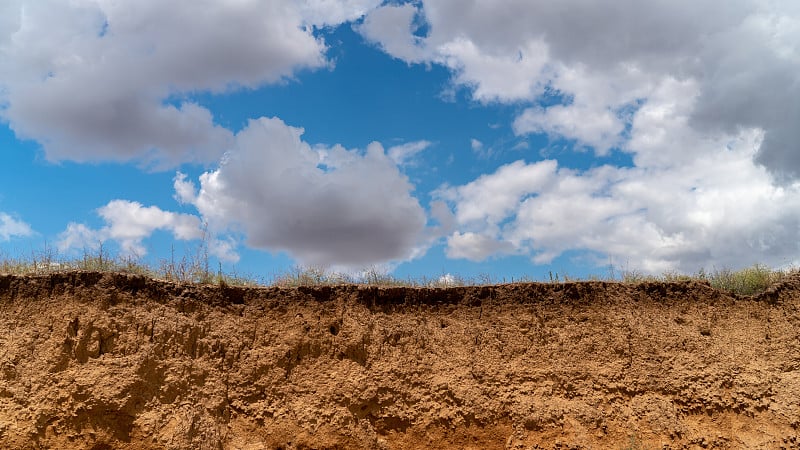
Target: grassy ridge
pixel 195 269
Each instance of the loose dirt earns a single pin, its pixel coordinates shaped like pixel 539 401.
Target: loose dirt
pixel 98 361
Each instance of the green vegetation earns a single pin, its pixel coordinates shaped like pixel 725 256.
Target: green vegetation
pixel 748 281
pixel 194 268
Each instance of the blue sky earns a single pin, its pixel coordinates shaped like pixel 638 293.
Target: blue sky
pixel 503 138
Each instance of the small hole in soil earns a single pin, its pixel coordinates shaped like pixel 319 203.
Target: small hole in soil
pixel 334 330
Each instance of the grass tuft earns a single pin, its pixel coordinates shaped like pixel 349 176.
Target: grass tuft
pixel 194 268
pixel 749 281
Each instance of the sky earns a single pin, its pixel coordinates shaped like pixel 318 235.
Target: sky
pixel 500 138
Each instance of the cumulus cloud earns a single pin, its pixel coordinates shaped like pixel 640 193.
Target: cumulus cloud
pixel 323 206
pixel 107 80
pixel 475 247
pixel 602 61
pixel 11 227
pixel 690 200
pixel 705 99
pixel 486 201
pixel 496 75
pixel 393 28
pixel 128 224
pixel 597 129
pixel 719 209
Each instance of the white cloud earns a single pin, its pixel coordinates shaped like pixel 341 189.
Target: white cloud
pixel 476 145
pixel 108 80
pixel 504 75
pixel 11 227
pixel 404 153
pixel 697 94
pixel 598 129
pixel 334 12
pixel 185 191
pixel 79 236
pixel 130 221
pixel 392 27
pixel 475 247
pixel 129 224
pixel 488 200
pixel 225 248
pixel 690 200
pixel 717 210
pixel 601 61
pixel 480 150
pixel 323 206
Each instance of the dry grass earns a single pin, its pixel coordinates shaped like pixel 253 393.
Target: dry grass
pixel 194 268
pixel 748 281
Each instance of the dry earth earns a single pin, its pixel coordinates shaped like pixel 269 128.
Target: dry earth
pixel 99 361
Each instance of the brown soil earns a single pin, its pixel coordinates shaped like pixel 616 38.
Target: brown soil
pixel 100 361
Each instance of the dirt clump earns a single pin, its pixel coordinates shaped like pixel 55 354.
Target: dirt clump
pixel 102 360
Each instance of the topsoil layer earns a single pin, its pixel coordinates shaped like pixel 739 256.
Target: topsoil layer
pixel 98 361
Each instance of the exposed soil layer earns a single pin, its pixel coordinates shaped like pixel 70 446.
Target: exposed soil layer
pixel 97 361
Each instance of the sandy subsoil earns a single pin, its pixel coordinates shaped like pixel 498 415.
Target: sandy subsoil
pixel 98 361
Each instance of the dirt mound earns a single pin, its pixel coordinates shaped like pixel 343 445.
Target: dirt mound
pixel 95 361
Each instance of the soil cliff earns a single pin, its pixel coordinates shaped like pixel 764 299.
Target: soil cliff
pixel 97 361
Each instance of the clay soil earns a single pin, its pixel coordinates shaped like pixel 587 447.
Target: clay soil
pixel 98 361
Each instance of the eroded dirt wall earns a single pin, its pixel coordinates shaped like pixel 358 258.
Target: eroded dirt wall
pixel 98 361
